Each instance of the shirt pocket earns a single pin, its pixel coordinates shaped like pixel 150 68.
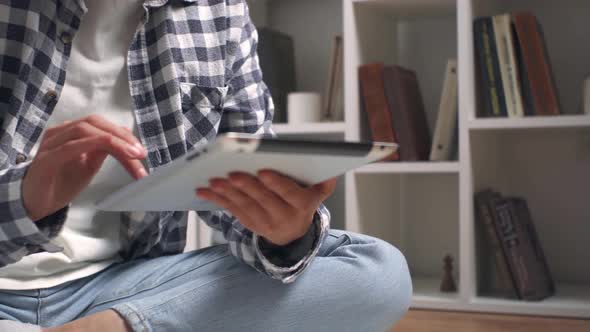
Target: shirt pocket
pixel 202 108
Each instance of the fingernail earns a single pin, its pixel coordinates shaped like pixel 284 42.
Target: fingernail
pixel 133 152
pixel 143 173
pixel 140 147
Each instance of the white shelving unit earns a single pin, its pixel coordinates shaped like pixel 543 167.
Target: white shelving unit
pixel 425 208
pixel 328 128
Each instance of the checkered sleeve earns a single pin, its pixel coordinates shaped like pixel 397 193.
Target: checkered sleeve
pixel 249 108
pixel 19 235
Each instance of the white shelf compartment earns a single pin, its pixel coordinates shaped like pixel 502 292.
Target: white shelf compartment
pixel 570 300
pixel 408 8
pixel 310 128
pixel 393 208
pixel 534 122
pixel 431 167
pixel 427 295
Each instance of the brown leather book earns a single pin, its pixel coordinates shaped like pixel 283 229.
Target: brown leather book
pixel 527 271
pixel 407 110
pixel 376 106
pixel 538 86
pixel 495 278
pixel 545 284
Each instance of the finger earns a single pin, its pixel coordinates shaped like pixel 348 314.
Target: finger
pixel 121 132
pixel 285 187
pixel 50 132
pixel 210 195
pixel 95 160
pixel 91 125
pixel 323 190
pixel 74 149
pixel 81 130
pixel 254 188
pixel 244 202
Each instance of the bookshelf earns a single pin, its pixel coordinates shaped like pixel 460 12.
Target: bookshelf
pixel 426 208
pixel 319 128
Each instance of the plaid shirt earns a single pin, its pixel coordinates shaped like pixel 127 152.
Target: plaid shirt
pixel 193 74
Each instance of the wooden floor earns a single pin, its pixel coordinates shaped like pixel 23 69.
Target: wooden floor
pixel 435 321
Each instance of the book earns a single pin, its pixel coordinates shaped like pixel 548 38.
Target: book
pixel 524 215
pixel 446 122
pixel 494 274
pixel 526 269
pixel 333 110
pixel 492 90
pixel 375 105
pixel 407 111
pixel 277 60
pixel 508 68
pixel 538 85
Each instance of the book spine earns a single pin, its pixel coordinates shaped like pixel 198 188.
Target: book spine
pixel 507 62
pixel 376 106
pixel 483 204
pixel 489 57
pixel 547 285
pixel 510 242
pixel 485 85
pixel 446 123
pixel 407 111
pixel 535 58
pixel 526 268
pixel 525 83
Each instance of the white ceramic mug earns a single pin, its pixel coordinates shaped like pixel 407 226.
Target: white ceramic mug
pixel 304 107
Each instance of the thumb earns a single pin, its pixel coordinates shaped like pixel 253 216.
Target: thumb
pixel 323 190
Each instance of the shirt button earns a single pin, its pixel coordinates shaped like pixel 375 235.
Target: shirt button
pixel 20 158
pixel 66 38
pixel 50 95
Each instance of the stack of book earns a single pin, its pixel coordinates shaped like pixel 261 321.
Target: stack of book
pixel 394 110
pixel 516 78
pixel 518 268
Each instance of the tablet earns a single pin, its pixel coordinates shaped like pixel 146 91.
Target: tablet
pixel 172 187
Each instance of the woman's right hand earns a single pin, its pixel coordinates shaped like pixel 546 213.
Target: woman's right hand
pixel 69 157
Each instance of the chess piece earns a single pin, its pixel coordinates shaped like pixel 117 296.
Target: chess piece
pixel 448 284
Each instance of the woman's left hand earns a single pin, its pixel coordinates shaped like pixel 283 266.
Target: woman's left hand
pixel 271 205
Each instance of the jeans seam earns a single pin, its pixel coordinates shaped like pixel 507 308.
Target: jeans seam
pixel 192 289
pixel 133 317
pixel 152 286
pixel 127 310
pixel 38 320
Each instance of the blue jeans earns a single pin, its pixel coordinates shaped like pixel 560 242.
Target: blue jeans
pixel 357 283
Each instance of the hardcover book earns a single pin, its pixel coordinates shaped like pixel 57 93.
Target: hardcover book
pixel 526 269
pixel 508 67
pixel 333 110
pixel 492 90
pixel 407 110
pixel 446 122
pixel 538 85
pixel 375 105
pixel 495 277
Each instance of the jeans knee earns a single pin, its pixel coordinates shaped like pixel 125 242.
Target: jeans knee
pixel 381 283
pixel 393 281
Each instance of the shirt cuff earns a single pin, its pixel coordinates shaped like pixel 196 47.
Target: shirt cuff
pixel 286 263
pixel 34 235
pixel 289 254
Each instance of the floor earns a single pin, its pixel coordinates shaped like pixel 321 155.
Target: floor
pixel 435 321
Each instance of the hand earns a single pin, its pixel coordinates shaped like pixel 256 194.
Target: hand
pixel 270 205
pixel 69 157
